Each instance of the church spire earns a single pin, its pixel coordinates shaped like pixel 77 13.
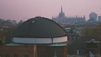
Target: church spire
pixel 61 9
pixel 61 14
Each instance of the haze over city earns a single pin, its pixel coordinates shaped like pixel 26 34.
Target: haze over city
pixel 27 31
pixel 25 9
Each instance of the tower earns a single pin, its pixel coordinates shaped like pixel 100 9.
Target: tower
pixel 93 16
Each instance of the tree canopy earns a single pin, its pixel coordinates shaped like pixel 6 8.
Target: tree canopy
pixel 92 33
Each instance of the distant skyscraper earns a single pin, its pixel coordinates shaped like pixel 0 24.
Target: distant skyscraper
pixel 99 18
pixel 62 19
pixel 93 15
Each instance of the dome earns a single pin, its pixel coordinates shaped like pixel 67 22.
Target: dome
pixel 41 29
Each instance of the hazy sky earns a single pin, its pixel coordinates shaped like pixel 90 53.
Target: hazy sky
pixel 25 9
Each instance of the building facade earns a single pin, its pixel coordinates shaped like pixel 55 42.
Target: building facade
pixel 19 50
pixel 93 15
pixel 99 18
pixel 72 35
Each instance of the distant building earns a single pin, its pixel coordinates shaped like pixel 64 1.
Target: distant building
pixel 2 38
pixel 8 20
pixel 93 16
pixel 14 22
pixel 72 35
pixel 99 18
pixel 91 20
pixel 19 23
pixel 80 26
pixel 2 20
pixel 62 19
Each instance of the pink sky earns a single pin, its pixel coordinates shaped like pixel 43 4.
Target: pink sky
pixel 25 9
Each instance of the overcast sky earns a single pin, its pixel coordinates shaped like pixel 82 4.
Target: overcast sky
pixel 25 9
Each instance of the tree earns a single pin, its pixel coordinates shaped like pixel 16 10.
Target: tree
pixel 92 33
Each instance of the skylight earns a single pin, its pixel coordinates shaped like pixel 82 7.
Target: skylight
pixel 33 21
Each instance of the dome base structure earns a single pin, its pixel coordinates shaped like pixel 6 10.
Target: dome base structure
pixel 20 50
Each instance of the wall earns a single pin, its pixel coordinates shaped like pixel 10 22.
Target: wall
pixel 19 50
pixel 49 51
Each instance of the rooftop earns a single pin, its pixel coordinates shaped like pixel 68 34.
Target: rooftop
pixel 39 27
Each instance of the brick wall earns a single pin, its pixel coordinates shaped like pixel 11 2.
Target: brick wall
pixel 34 51
pixel 49 51
pixel 19 50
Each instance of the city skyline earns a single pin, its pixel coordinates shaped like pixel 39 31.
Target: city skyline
pixel 26 9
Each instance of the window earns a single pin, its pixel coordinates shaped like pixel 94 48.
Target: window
pixel 78 38
pixel 33 21
pixel 74 38
pixel 7 55
pixel 25 55
pixel 55 54
pixel 15 55
pixel 70 38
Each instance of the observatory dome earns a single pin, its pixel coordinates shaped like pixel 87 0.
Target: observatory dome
pixel 39 30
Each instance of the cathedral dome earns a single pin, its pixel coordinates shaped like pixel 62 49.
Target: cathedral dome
pixel 39 30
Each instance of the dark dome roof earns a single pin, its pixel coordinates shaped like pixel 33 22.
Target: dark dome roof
pixel 39 27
